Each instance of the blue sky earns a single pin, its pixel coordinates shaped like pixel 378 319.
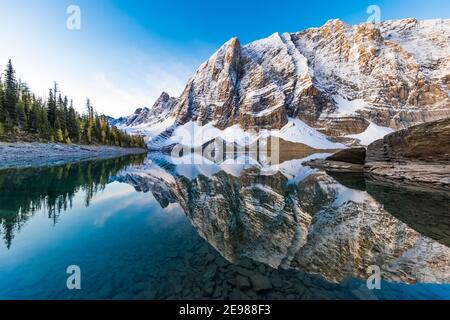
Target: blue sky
pixel 128 51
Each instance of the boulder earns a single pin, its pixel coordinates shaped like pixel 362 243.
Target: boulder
pixel 351 155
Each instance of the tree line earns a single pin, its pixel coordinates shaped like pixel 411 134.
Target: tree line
pixel 24 116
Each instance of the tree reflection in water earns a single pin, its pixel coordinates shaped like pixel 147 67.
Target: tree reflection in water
pixel 23 192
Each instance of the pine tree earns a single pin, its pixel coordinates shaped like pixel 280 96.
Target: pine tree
pixel 2 96
pixel 65 112
pixel 21 115
pixel 59 135
pixel 27 99
pixel 97 132
pixel 33 118
pixel 51 107
pixel 44 126
pixel 10 96
pixel 61 113
pixel 72 123
pixel 90 110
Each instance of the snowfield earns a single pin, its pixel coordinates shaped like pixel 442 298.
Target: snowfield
pixel 347 107
pixel 193 135
pixel 373 132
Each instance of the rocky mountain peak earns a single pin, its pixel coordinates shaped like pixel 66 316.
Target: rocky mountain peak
pixel 334 25
pixel 140 110
pixel 162 98
pixel 211 94
pixel 164 103
pixel 345 81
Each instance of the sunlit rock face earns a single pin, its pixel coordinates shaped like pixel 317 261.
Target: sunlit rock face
pixel 333 226
pixel 337 78
pixel 418 155
pixel 397 72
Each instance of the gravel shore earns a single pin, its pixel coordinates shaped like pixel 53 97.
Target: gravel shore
pixel 22 155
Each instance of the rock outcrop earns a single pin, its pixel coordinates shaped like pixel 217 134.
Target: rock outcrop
pixel 347 160
pixel 420 154
pixel 417 155
pixel 428 142
pixel 352 155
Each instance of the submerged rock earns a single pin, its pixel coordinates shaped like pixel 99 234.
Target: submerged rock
pixel 260 283
pixel 242 282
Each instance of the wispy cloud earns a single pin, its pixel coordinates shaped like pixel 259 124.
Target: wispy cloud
pixel 120 93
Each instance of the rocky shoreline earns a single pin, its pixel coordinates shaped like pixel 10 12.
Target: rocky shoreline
pixel 418 156
pixel 23 155
pixel 420 174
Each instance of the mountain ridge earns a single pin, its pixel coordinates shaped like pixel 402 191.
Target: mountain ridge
pixel 338 79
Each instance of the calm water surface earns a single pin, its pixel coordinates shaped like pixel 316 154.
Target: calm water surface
pixel 152 229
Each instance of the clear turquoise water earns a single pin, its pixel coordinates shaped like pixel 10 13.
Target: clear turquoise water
pixel 129 247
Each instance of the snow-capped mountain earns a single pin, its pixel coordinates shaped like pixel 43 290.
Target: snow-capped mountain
pixel 158 112
pixel 338 81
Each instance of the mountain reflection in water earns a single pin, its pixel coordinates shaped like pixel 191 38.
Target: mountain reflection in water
pixel 284 231
pixel 294 217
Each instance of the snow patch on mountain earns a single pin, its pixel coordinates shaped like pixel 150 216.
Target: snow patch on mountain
pixel 152 129
pixel 193 135
pixel 373 132
pixel 348 107
pixel 298 131
pixel 427 40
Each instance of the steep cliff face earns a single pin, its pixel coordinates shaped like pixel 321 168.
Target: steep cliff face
pixel 402 66
pixel 397 70
pixel 338 78
pixel 211 94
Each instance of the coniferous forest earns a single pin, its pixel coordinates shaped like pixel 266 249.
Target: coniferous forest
pixel 27 117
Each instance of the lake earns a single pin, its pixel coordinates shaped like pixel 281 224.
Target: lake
pixel 154 228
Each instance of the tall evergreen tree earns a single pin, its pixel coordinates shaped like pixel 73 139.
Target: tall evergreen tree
pixel 72 123
pixel 10 95
pixel 65 112
pixel 90 109
pixel 33 118
pixel 2 96
pixel 21 115
pixel 51 107
pixel 44 125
